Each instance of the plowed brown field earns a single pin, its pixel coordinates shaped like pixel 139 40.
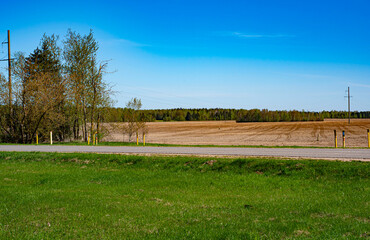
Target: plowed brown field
pixel 265 133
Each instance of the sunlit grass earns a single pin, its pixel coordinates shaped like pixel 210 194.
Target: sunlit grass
pixel 103 196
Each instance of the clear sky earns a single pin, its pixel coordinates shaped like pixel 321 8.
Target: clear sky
pixel 279 55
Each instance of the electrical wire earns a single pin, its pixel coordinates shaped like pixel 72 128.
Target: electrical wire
pixel 143 92
pixel 2 49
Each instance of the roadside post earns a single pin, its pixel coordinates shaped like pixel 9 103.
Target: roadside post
pixel 344 139
pixel 96 138
pixel 144 137
pixel 368 139
pixel 51 138
pixel 137 139
pixel 88 140
pixel 37 139
pixel 335 139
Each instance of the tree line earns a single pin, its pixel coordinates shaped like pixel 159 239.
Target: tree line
pixel 59 87
pixel 239 115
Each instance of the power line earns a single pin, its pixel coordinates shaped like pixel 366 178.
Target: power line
pixel 182 100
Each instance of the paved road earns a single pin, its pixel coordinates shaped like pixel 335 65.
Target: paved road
pixel 322 153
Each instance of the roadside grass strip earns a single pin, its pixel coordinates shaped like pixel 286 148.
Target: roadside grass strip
pixel 108 196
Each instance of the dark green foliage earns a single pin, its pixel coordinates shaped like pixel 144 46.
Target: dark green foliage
pixel 45 59
pixel 240 115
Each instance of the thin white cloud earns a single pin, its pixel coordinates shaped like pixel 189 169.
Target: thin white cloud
pixel 125 42
pixel 245 35
pixel 158 93
pixel 360 85
pixel 307 75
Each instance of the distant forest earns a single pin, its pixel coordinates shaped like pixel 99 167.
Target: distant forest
pixel 240 115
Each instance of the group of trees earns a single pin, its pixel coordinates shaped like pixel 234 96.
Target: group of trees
pixel 256 115
pixel 240 115
pixel 55 88
pixel 118 114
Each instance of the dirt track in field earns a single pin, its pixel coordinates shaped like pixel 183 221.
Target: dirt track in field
pixel 268 134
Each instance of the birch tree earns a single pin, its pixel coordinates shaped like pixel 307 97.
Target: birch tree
pixel 89 93
pixel 135 123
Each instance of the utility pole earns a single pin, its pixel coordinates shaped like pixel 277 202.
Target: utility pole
pixel 10 110
pixel 9 71
pixel 349 106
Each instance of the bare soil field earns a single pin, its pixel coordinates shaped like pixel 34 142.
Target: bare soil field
pixel 318 133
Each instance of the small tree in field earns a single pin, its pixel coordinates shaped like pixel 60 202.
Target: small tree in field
pixel 135 122
pixel 144 129
pixel 120 128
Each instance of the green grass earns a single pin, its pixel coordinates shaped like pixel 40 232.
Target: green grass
pixel 103 196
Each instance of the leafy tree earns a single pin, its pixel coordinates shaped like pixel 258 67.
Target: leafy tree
pixel 37 93
pixel 89 93
pixel 132 116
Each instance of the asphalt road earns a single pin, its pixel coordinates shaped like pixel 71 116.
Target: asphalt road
pixel 311 153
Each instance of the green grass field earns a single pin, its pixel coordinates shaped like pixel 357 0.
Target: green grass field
pixel 102 196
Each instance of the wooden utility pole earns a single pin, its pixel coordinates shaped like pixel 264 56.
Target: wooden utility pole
pixel 10 73
pixel 10 108
pixel 349 107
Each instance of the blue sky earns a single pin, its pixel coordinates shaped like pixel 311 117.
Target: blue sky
pixel 279 55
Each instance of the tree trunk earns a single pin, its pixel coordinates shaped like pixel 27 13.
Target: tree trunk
pixel 84 121
pixel 76 125
pixel 97 123
pixel 92 114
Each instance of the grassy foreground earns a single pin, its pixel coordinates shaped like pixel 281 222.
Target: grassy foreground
pixel 97 196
